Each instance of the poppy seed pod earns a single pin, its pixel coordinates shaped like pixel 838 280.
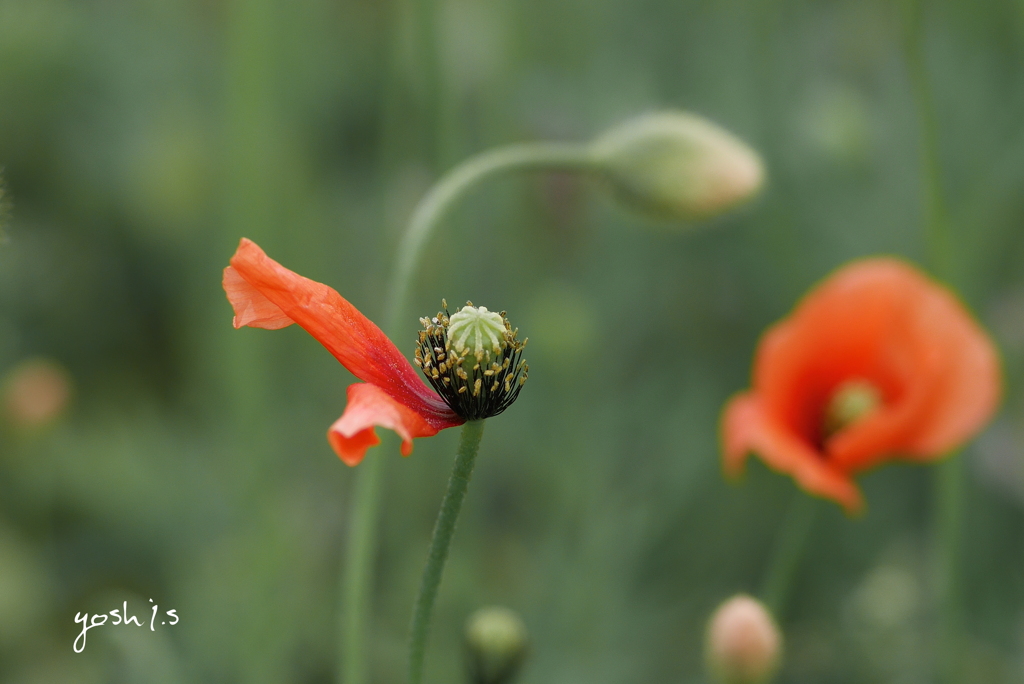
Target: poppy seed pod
pixel 674 165
pixel 743 643
pixel 473 359
pixel 496 645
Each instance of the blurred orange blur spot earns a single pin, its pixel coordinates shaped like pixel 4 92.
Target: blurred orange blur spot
pixel 35 393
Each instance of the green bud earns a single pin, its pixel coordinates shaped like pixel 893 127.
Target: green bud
pixel 496 645
pixel 674 165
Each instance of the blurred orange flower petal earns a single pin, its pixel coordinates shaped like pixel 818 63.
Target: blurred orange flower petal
pixel 878 322
pixel 746 428
pixel 265 294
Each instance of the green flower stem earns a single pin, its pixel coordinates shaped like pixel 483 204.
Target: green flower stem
pixel 789 547
pixel 948 484
pixel 444 528
pixel 432 81
pixel 361 547
pixel 454 186
pixel 949 515
pixel 360 550
pixel 936 217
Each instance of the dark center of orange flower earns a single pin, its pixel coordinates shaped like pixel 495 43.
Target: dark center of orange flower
pixel 473 359
pixel 851 401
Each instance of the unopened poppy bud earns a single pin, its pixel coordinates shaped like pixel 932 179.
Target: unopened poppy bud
pixel 675 165
pixel 743 644
pixel 35 392
pixel 474 359
pixel 496 645
pixel 851 401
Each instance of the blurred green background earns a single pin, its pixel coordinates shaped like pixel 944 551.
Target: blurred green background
pixel 140 140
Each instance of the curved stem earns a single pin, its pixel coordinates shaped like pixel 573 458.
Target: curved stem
pixel 454 185
pixel 789 547
pixel 444 529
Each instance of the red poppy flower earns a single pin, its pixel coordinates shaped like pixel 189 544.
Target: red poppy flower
pixel 265 294
pixel 877 362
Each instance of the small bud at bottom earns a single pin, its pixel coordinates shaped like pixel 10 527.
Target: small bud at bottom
pixel 744 645
pixel 496 645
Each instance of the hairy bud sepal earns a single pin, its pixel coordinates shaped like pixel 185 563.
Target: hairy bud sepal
pixel 473 358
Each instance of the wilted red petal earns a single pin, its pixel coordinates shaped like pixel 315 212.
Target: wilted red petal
pixel 368 406
pixel 745 429
pixel 272 295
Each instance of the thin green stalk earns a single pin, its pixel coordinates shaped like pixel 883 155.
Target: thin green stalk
pixel 949 516
pixel 360 550
pixel 453 187
pixel 444 529
pixel 949 483
pixel 361 547
pixel 431 81
pixel 936 216
pixel 789 547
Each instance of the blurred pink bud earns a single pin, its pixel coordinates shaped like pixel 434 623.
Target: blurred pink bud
pixel 744 645
pixel 35 392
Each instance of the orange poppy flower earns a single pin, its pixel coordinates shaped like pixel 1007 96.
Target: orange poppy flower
pixel 265 294
pixel 875 363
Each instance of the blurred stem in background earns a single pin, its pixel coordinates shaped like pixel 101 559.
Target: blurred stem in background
pixel 431 80
pixel 948 488
pixel 444 529
pixel 935 226
pixel 251 177
pixel 360 552
pixel 255 198
pixel 360 549
pixel 413 90
pixel 789 548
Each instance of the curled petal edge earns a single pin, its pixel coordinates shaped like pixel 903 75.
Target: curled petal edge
pixel 368 407
pixel 251 307
pixel 745 429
